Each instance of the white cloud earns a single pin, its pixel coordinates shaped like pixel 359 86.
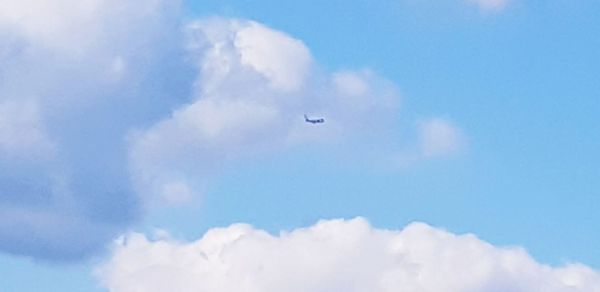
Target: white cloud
pixel 73 74
pixel 101 87
pixel 254 85
pixel 334 255
pixel 490 5
pixel 78 27
pixel 439 137
pixel 284 61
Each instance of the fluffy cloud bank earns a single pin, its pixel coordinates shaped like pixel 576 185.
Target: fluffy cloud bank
pixel 334 255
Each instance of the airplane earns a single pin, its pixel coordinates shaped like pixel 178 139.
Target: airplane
pixel 314 121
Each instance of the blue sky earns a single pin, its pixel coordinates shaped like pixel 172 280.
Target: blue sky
pixel 510 97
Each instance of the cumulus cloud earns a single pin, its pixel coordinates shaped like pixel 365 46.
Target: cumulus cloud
pixel 78 27
pixel 72 77
pixel 254 85
pixel 490 5
pixel 335 255
pixel 107 106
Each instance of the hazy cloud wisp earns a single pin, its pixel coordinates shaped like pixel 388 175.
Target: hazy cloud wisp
pixel 490 5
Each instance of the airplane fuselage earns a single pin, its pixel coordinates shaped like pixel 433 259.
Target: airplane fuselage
pixel 314 121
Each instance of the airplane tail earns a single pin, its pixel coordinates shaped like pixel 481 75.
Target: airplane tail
pixel 305 118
